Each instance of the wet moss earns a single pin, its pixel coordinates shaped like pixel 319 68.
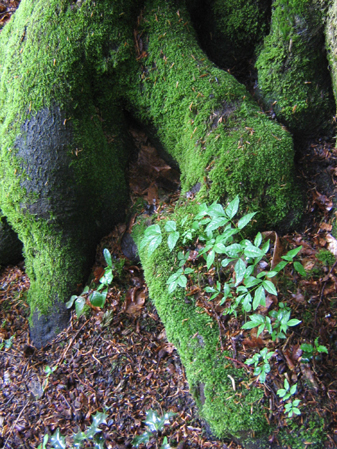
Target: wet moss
pixel 293 78
pixel 64 142
pixel 208 122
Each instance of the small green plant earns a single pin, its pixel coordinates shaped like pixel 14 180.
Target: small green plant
pixel 7 344
pixel 286 392
pixel 309 352
pixel 155 425
pixel 218 239
pixel 278 328
pixel 292 408
pixel 263 369
pixel 58 441
pixel 98 297
pixel 49 371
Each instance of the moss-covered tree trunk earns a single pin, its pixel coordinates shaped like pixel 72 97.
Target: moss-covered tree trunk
pixel 67 71
pixel 62 164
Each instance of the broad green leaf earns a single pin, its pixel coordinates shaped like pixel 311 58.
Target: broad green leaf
pixel 259 298
pixel 252 282
pixel 210 259
pixel 233 250
pixel 97 299
pixel 299 268
pixel 258 239
pixel 172 240
pixel 260 329
pixel 182 281
pixel 233 207
pixel 216 223
pixel 253 251
pixel 280 266
pixel 219 248
pixel 152 237
pixel 216 210
pixel 293 389
pixel 203 210
pixel 240 269
pixel 107 257
pixel 226 262
pixel 79 306
pixel 188 271
pixel 245 220
pixel 247 302
pixel 171 226
pixel 293 322
pixel 265 247
pixel 70 303
pixel 270 287
pixel 107 278
pixel 58 441
pixel 291 254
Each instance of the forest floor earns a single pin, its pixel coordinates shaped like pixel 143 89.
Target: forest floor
pixel 117 359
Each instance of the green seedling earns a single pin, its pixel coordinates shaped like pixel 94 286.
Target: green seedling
pixel 292 408
pixel 262 369
pixel 155 424
pixel 286 392
pixel 309 352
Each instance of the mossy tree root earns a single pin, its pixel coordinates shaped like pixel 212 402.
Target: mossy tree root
pixel 208 122
pixel 293 76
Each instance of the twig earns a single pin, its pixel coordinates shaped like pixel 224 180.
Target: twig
pixel 17 419
pixel 238 362
pixel 71 342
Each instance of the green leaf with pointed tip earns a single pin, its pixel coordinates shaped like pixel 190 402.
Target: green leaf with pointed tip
pixel 258 239
pixel 152 238
pixel 79 306
pixel 240 269
pixel 210 259
pixel 70 303
pixel 259 298
pixel 233 207
pixel 107 257
pixel 172 240
pixel 300 268
pixel 245 220
pixel 171 226
pixel 270 287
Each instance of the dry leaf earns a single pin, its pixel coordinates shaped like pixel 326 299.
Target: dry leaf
pixel 332 244
pixel 325 227
pixel 322 201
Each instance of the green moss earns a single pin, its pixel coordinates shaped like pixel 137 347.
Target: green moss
pixel 230 412
pixel 326 257
pixel 311 432
pixel 208 122
pixel 292 71
pixel 61 191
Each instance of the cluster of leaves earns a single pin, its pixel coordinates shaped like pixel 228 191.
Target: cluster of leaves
pixel 97 297
pixel 309 351
pixel 291 407
pixel 155 424
pixel 219 240
pixel 57 441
